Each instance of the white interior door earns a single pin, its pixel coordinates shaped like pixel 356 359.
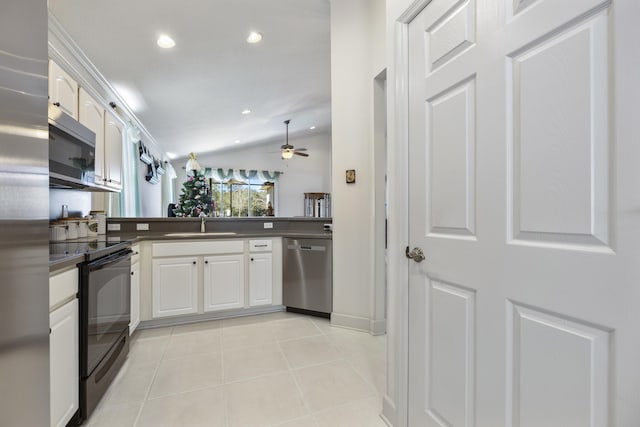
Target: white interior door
pixel 525 197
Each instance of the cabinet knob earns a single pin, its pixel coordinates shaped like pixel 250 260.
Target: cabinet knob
pixel 132 273
pixel 194 263
pixel 251 259
pixel 206 262
pixel 57 104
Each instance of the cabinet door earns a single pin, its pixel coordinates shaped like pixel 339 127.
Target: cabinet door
pixel 113 134
pixel 63 357
pixel 260 279
pixel 175 286
pixel 91 114
pixel 135 297
pixel 63 90
pixel 223 282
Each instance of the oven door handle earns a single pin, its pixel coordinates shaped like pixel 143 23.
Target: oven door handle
pixel 108 260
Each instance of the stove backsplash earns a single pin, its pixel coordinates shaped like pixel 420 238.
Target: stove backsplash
pixel 78 202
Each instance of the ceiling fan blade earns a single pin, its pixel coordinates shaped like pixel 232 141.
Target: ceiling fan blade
pixel 301 149
pixel 300 154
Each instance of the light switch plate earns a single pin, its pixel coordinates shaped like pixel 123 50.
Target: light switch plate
pixel 268 225
pixel 113 227
pixel 142 227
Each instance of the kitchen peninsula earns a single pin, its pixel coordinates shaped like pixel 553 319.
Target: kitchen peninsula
pixel 193 269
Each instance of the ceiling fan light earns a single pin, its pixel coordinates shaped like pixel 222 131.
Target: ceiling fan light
pixel 254 37
pixel 287 153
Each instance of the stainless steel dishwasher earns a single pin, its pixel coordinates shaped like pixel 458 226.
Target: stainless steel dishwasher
pixel 307 276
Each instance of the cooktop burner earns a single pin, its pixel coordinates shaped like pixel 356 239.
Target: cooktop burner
pixel 90 248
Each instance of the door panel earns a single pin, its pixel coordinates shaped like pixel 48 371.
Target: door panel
pixel 522 156
pixel 559 92
pixel 451 140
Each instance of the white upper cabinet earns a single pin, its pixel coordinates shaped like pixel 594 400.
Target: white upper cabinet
pixel 63 90
pixel 109 136
pixel 112 168
pixel 91 114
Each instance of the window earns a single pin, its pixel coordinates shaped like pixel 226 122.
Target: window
pixel 240 193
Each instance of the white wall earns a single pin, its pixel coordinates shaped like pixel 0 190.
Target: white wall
pixel 300 175
pixel 357 57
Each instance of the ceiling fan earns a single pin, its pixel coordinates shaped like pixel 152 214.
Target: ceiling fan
pixel 287 150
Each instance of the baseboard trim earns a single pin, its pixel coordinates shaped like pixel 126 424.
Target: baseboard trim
pixel 350 322
pixel 378 327
pixel 215 315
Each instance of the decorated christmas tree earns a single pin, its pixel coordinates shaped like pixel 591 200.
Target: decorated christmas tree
pixel 195 199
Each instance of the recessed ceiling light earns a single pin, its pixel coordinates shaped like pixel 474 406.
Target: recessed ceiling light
pixel 171 155
pixel 237 141
pixel 166 42
pixel 312 128
pixel 246 111
pixel 254 37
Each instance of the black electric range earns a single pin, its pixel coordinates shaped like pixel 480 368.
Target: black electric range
pixel 90 248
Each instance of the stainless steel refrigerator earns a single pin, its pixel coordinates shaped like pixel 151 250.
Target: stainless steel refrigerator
pixel 24 213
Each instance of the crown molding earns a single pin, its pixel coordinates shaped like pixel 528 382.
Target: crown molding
pixel 67 54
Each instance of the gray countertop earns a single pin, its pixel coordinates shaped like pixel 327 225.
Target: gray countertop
pixel 61 261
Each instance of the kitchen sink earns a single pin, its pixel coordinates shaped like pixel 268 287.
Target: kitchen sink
pixel 195 234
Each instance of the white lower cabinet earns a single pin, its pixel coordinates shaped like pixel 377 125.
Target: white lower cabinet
pixel 175 286
pixel 260 279
pixel 223 282
pixel 203 276
pixel 64 346
pixel 135 297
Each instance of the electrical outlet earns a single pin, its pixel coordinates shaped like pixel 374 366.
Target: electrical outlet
pixel 268 225
pixel 142 227
pixel 113 227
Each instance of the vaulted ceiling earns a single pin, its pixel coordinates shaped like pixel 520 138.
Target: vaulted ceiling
pixel 191 97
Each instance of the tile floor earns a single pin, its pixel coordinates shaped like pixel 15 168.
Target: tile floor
pixel 278 369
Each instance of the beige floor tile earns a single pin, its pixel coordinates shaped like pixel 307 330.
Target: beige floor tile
pixel 308 421
pixel 247 336
pixel 131 384
pixel 251 362
pixel 197 327
pixel 331 384
pixel 264 401
pixel 186 374
pixel 295 328
pixel 142 334
pixel 203 342
pixel 110 416
pixel 323 324
pixel 309 351
pixel 372 368
pixel 148 350
pixel 364 413
pixel 193 409
pixel 354 343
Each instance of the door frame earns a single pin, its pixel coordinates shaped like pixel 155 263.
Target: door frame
pixel 395 402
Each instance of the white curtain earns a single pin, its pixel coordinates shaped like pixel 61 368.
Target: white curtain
pixel 130 195
pixel 168 187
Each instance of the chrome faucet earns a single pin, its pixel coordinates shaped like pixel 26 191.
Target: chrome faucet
pixel 203 228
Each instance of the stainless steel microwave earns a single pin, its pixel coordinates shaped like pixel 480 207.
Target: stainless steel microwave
pixel 72 149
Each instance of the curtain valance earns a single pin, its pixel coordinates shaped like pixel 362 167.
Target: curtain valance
pixel 224 175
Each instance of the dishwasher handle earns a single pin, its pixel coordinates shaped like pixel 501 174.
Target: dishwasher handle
pixel 307 248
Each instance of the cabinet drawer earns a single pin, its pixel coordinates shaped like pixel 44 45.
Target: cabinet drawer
pixel 260 245
pixel 63 286
pixel 198 248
